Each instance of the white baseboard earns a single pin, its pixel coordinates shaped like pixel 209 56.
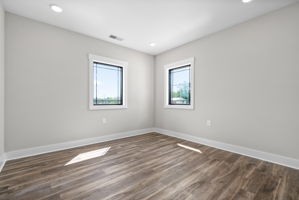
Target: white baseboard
pixel 269 157
pixel 67 145
pixel 2 161
pixel 273 158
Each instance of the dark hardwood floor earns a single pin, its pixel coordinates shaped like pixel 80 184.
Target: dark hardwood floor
pixel 150 166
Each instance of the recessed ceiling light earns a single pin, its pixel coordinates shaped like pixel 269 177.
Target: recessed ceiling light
pixel 152 44
pixel 56 8
pixel 246 1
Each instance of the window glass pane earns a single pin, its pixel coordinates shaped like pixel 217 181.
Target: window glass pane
pixel 179 86
pixel 107 84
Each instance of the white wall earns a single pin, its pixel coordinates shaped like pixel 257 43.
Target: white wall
pixel 47 86
pixel 1 80
pixel 246 82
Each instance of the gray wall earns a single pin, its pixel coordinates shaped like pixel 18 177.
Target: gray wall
pixel 1 79
pixel 246 82
pixel 47 86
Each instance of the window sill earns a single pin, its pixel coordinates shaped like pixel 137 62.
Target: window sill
pixel 108 107
pixel 187 107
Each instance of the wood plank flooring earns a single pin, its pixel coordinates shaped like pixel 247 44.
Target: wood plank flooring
pixel 150 166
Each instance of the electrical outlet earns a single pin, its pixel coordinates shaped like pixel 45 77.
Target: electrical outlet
pixel 104 120
pixel 209 123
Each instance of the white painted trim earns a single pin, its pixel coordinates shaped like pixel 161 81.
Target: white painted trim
pixel 109 61
pixel 273 158
pixel 72 144
pixel 269 157
pixel 189 61
pixel 2 161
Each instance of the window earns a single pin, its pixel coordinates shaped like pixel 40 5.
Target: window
pixel 179 84
pixel 107 89
pixel 107 83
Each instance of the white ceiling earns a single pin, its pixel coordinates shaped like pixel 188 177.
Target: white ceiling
pixel 168 23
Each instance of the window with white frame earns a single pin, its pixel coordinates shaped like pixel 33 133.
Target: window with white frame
pixel 107 83
pixel 179 84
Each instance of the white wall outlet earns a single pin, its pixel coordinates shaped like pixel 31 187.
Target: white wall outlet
pixel 104 120
pixel 209 122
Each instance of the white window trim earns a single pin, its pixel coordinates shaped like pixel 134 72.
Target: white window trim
pixel 189 61
pixel 100 59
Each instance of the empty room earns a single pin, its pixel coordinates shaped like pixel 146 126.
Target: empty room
pixel 149 100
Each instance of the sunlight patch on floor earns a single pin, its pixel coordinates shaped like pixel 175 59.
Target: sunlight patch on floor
pixel 88 155
pixel 189 148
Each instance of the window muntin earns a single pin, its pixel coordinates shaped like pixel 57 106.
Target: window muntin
pixel 179 86
pixel 107 83
pixel 108 87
